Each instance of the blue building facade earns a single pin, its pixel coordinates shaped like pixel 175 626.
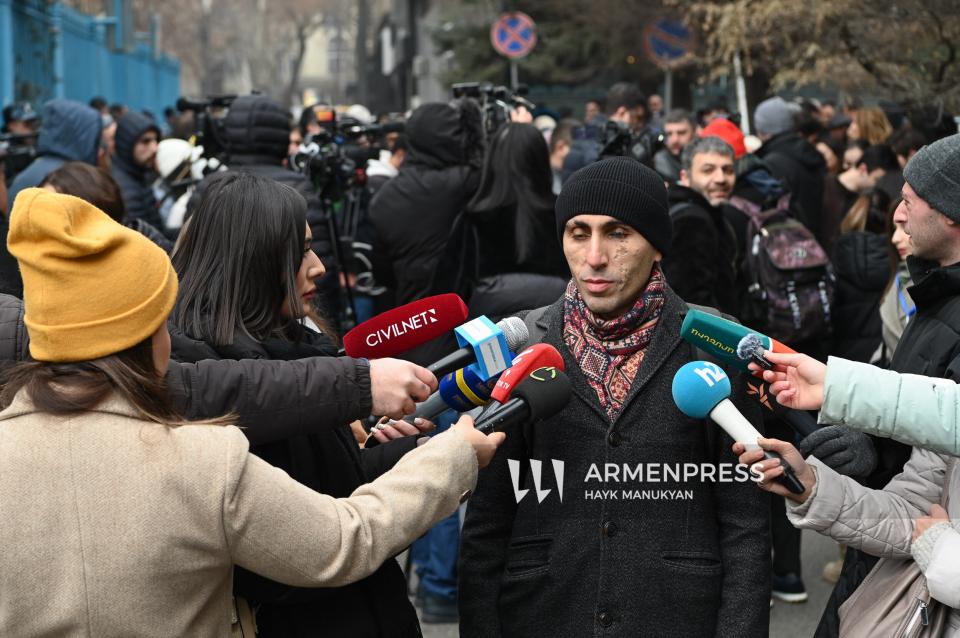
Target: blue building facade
pixel 48 50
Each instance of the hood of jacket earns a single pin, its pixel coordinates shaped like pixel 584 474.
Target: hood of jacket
pixel 70 130
pixel 442 135
pixel 129 129
pixel 795 147
pixel 256 131
pixel 863 259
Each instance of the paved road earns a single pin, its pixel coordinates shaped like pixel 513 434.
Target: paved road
pixel 786 620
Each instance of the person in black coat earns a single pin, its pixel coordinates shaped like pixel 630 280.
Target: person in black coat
pixel 132 166
pixel 792 159
pixel 863 260
pixel 702 265
pixel 246 280
pixel 541 558
pixel 413 214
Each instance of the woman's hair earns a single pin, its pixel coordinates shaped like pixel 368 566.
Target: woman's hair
pixel 238 259
pixel 91 184
pixel 72 388
pixel 868 213
pixel 516 174
pixel 873 124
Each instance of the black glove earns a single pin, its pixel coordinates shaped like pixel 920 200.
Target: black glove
pixel 844 450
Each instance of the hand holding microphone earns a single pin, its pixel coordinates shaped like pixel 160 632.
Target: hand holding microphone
pixel 796 380
pixel 485 445
pixel 702 389
pixel 775 461
pixel 398 385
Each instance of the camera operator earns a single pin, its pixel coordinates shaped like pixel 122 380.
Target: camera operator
pixel 18 140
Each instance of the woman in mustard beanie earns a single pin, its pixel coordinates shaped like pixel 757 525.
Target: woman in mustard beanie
pixel 118 518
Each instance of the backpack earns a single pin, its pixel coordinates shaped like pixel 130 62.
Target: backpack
pixel 790 281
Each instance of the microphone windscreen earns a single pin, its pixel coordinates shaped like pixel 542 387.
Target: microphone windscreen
pixel 401 329
pixel 464 390
pixel 539 355
pixel 718 337
pixel 545 390
pixel 515 332
pixel 698 387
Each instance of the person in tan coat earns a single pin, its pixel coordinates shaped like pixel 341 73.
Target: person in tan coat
pixel 119 519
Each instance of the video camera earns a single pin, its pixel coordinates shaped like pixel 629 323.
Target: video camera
pixel 208 117
pixel 17 151
pixel 496 102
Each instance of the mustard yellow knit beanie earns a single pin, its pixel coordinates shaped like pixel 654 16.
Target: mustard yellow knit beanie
pixel 91 287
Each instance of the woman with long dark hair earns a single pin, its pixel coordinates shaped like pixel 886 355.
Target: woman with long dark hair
pixel 119 518
pixel 519 260
pixel 247 274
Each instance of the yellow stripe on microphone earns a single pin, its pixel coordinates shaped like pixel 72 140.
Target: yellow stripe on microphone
pixel 467 392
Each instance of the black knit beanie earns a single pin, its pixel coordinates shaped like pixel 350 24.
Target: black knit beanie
pixel 623 188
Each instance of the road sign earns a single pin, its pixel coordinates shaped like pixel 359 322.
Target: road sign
pixel 667 42
pixel 514 34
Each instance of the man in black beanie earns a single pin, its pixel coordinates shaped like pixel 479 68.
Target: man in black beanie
pixel 581 525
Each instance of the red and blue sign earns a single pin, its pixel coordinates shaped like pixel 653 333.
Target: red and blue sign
pixel 667 42
pixel 514 34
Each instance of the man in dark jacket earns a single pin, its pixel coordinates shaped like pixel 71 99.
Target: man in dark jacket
pixel 413 213
pixel 601 551
pixel 930 345
pixel 701 267
pixel 679 129
pixel 132 166
pixel 792 158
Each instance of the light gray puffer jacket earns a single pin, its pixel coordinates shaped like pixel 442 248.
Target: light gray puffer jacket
pixel 880 522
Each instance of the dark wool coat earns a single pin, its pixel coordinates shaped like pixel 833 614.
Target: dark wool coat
pixel 930 346
pixel 796 161
pixel 697 566
pixel 863 266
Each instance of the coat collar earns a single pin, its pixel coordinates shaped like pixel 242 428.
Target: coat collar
pixel 666 338
pixel 932 282
pixel 114 404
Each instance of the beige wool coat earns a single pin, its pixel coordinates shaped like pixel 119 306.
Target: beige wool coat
pixel 114 526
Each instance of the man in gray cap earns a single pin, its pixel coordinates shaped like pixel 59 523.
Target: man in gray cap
pixel 792 159
pixel 555 542
pixel 930 345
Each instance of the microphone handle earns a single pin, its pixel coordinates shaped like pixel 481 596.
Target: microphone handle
pixel 428 409
pixel 513 411
pixel 788 479
pixel 452 362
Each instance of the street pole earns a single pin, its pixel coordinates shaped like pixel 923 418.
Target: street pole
pixel 668 90
pixel 514 75
pixel 741 95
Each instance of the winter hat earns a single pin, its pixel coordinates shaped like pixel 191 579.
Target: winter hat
pixel 623 188
pixel 91 287
pixel 774 116
pixel 728 132
pixel 934 173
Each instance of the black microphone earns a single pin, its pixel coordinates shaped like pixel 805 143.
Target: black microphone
pixel 542 394
pixel 514 332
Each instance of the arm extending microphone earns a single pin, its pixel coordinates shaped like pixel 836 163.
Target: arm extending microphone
pixel 406 327
pixel 702 389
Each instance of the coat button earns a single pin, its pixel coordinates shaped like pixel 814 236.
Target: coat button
pixel 605 618
pixel 614 439
pixel 609 529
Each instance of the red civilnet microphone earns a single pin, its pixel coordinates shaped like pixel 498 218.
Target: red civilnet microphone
pixel 540 355
pixel 404 328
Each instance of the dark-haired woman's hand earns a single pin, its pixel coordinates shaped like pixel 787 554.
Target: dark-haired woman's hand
pixel 397 386
pixel 390 430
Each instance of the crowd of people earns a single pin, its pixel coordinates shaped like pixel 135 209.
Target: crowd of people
pixel 185 448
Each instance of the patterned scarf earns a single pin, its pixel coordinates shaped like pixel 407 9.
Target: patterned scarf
pixel 610 352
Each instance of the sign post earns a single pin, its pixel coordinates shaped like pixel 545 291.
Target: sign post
pixel 513 36
pixel 668 43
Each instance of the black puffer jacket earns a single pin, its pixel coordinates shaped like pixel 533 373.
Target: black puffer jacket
pixel 135 180
pixel 413 213
pixel 863 267
pixel 930 346
pixel 330 462
pixel 701 264
pixel 794 160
